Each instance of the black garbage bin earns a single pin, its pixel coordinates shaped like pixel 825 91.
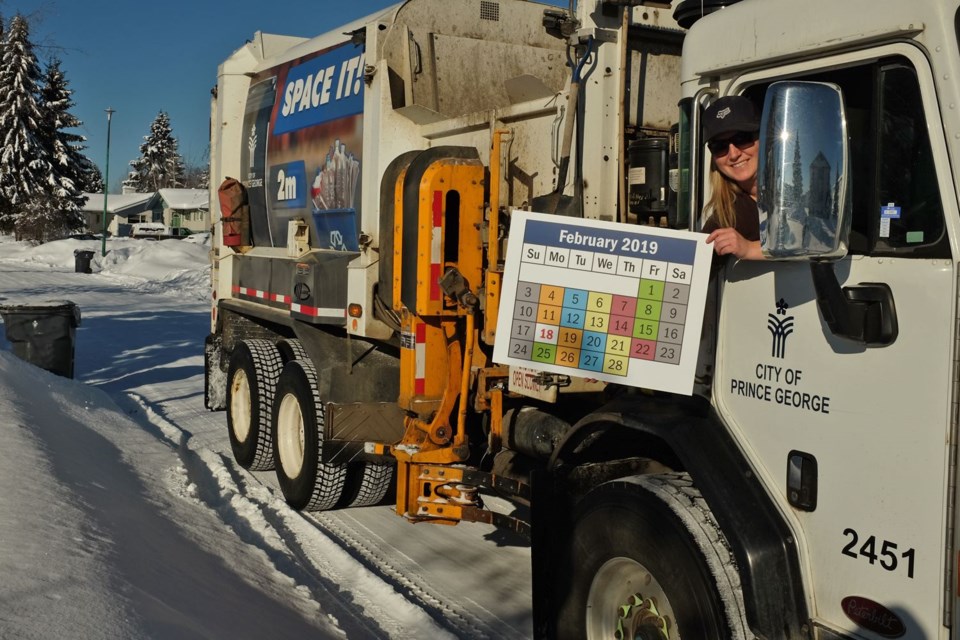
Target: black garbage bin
pixel 43 335
pixel 81 260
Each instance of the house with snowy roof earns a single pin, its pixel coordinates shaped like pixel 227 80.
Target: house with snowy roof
pixel 122 209
pixel 188 208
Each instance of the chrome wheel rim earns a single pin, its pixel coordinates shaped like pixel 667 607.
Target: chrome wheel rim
pixel 626 602
pixel 290 435
pixel 240 405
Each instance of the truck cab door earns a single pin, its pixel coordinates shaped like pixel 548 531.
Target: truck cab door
pixel 851 438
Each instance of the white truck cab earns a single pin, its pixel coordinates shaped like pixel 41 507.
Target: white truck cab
pixel 836 366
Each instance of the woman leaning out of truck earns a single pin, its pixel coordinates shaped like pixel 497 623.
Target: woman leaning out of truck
pixel 731 127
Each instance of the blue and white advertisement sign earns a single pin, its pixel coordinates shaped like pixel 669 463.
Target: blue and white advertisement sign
pixel 321 89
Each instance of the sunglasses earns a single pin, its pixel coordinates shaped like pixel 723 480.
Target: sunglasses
pixel 740 140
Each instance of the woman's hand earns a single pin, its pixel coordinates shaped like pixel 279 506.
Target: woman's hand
pixel 727 241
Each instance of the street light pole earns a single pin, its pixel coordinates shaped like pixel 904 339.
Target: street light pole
pixel 106 187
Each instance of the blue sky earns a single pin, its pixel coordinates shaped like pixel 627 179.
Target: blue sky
pixel 140 57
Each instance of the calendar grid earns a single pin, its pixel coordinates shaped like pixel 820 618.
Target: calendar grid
pixel 602 300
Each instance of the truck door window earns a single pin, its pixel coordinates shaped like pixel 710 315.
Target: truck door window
pixel 891 161
pixel 907 176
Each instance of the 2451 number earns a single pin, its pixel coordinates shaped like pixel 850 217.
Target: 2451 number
pixel 887 555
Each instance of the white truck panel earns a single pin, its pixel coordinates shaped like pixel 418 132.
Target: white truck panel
pixel 884 439
pixel 875 419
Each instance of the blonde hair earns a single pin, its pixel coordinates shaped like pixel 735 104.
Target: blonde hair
pixel 723 193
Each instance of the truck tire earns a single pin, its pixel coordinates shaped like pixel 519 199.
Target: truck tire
pixel 647 560
pixel 291 349
pixel 251 385
pixel 306 482
pixel 367 483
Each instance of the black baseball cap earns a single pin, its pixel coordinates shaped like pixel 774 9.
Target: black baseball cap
pixel 730 114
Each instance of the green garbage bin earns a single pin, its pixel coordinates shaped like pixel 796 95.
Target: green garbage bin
pixel 81 260
pixel 43 335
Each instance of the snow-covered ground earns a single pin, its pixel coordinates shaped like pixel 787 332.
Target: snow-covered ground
pixel 125 516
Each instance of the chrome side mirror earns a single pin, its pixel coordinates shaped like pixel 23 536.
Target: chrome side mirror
pixel 803 190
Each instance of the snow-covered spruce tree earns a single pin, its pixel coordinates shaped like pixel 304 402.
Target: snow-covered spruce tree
pixel 40 219
pixel 160 165
pixel 203 181
pixel 56 99
pixel 70 168
pixel 25 167
pixel 94 180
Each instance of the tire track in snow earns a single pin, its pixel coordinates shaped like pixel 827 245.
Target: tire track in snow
pixel 459 620
pixel 366 605
pixel 298 535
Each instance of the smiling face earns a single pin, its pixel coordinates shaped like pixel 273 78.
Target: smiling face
pixel 736 157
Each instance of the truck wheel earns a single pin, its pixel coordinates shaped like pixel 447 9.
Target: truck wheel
pixel 306 482
pixel 252 382
pixel 647 560
pixel 291 349
pixel 367 483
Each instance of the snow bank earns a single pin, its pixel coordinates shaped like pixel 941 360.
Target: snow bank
pixel 181 267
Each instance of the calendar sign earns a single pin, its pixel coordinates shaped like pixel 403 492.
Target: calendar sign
pixel 614 302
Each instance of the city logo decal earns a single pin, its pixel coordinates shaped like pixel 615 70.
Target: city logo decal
pixel 780 385
pixel 252 145
pixel 780 328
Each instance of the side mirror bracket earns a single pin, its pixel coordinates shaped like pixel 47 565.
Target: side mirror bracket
pixel 865 313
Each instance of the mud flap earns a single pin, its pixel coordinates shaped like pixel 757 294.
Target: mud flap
pixel 214 376
pixel 550 526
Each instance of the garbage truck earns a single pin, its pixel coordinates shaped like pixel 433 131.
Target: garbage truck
pixel 457 256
